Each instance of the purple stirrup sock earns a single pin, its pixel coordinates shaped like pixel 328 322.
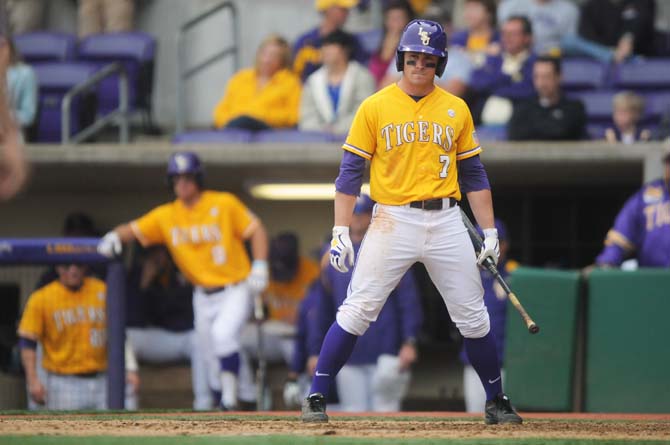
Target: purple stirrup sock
pixel 335 352
pixel 483 355
pixel 230 363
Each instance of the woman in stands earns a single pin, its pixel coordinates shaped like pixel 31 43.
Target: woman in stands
pixel 265 96
pixel 397 14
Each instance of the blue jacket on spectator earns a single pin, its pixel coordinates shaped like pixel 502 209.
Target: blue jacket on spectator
pixel 491 79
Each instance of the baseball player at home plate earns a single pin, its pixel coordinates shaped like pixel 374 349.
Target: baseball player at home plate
pixel 423 153
pixel 205 232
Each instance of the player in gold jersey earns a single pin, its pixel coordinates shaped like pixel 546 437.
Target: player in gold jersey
pixel 67 317
pixel 423 153
pixel 205 232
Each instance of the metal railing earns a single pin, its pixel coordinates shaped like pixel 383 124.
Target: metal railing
pixel 185 73
pixel 118 115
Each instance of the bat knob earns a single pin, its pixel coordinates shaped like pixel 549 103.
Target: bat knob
pixel 533 328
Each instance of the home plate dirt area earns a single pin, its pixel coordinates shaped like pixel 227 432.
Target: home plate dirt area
pixel 621 428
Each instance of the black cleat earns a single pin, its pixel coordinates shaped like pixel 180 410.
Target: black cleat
pixel 500 410
pixel 314 408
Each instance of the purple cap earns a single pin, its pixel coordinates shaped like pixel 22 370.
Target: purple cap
pixel 502 230
pixel 363 204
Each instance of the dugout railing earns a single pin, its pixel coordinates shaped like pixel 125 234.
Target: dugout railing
pixel 52 251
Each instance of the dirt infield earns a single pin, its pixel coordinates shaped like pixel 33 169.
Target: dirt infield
pixel 404 425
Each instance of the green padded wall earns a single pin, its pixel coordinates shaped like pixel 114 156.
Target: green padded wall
pixel 539 368
pixel 627 348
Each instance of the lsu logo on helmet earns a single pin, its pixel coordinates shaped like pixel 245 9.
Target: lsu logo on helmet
pixel 425 38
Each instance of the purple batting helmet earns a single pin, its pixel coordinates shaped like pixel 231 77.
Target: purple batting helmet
pixel 423 36
pixel 185 163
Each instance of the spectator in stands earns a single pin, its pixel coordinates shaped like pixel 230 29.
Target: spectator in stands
pixel 397 14
pixel 13 164
pixel 496 304
pixel 628 108
pixel 159 320
pixel 331 95
pixel 290 276
pixel 306 54
pixel 376 376
pixel 642 227
pixel 552 20
pixel 506 77
pixel 480 38
pixel 67 317
pixel 99 16
pixel 264 97
pixel 26 15
pixel 456 76
pixel 550 115
pixel 22 89
pixel 617 29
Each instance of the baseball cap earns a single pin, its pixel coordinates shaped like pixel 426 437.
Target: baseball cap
pixel 363 204
pixel 284 256
pixel 322 5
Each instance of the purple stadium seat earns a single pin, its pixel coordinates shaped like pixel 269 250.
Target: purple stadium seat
pixel 598 105
pixel 291 136
pixel 489 133
pixel 213 136
pixel 649 74
pixel 582 74
pixel 46 46
pixel 136 51
pixel 657 104
pixel 597 131
pixel 370 40
pixel 54 80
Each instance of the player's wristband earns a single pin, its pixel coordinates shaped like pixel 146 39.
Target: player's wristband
pixel 491 233
pixel 339 230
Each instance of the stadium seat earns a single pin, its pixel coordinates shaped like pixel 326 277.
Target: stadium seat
pixel 291 136
pixel 370 40
pixel 597 131
pixel 137 52
pixel 649 74
pixel 582 74
pixel 55 80
pixel 212 136
pixel 598 105
pixel 490 133
pixel 657 105
pixel 43 46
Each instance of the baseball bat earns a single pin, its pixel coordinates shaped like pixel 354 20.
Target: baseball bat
pixel 533 328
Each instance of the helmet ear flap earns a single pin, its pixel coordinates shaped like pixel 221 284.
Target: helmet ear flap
pixel 442 65
pixel 400 60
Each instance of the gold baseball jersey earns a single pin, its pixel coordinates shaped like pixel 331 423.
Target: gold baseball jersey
pixel 206 241
pixel 284 297
pixel 413 146
pixel 70 325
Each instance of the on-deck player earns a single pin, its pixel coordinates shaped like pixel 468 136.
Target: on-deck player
pixel 205 232
pixel 421 144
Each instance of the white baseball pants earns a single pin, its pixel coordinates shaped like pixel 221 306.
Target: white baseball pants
pixel 398 237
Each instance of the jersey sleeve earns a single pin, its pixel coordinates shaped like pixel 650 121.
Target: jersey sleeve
pixel 147 228
pixel 622 239
pixel 362 137
pixel 467 144
pixel 32 320
pixel 243 220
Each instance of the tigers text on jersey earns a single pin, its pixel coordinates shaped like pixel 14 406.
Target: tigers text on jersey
pixel 70 325
pixel 206 241
pixel 413 145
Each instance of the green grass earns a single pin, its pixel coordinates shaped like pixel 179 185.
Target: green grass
pixel 292 440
